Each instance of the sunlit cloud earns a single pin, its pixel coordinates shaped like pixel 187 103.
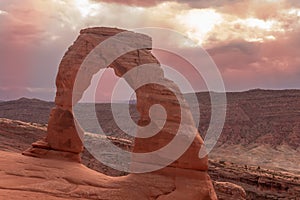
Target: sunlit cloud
pixel 205 26
pixel 294 11
pixel 257 23
pixel 2 12
pixel 199 22
pixel 86 8
pixel 270 37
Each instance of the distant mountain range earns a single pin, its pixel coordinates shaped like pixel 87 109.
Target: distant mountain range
pixel 27 110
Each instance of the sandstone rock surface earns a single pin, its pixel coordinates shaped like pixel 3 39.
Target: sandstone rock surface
pixel 229 191
pixel 25 177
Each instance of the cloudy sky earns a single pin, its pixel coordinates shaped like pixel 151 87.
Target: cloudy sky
pixel 254 43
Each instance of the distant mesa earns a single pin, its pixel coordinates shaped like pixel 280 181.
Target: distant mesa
pixel 29 100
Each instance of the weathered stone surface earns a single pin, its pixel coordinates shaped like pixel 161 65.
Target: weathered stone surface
pixel 257 182
pixel 229 191
pixel 62 134
pixel 53 179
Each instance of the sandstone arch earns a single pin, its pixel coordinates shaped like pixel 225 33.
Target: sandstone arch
pixel 62 138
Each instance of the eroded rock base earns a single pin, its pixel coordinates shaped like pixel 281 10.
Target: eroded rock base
pixel 41 149
pixel 28 177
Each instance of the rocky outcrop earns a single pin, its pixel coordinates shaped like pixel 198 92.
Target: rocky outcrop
pixel 15 136
pixel 188 172
pixel 259 183
pixel 229 191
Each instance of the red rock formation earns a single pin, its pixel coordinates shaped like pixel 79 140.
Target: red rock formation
pixel 188 172
pixel 29 178
pixel 259 183
pixel 229 191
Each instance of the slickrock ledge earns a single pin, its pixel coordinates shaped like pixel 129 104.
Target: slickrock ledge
pixel 24 177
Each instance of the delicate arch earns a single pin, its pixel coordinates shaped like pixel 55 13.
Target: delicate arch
pixel 62 135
